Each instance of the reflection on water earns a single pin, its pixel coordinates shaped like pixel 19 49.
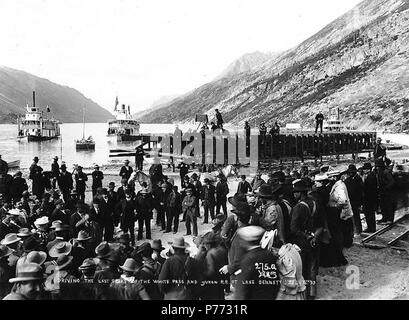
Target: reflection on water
pixel 64 147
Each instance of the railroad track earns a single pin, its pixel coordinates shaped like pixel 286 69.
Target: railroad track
pixel 394 236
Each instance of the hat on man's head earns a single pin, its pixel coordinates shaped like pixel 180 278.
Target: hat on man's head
pixel 321 177
pixel 103 250
pixel 88 264
pixel 28 272
pixel 265 191
pixel 145 249
pixel 157 245
pixel 64 262
pixel 352 169
pixel 218 220
pixel 237 198
pixel 63 166
pixel 24 233
pixel 60 249
pixel 36 158
pixel 333 173
pixel 10 238
pixel 179 243
pixel 300 186
pixel 38 257
pixel 83 236
pixel 130 265
pixel 242 209
pixel 5 251
pixel 251 233
pixel 367 166
pixel 41 221
pixel 164 185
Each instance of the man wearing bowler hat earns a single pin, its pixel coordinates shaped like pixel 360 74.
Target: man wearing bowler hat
pixel 355 191
pixel 27 283
pixel 65 182
pixel 80 183
pixel 126 171
pixel 97 177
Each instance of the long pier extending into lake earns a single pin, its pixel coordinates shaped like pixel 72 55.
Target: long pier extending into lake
pixel 292 146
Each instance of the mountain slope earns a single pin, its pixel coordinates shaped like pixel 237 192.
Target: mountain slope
pixel 246 63
pixel 358 63
pixel 66 104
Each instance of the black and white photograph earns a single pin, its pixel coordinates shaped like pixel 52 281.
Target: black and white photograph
pixel 214 151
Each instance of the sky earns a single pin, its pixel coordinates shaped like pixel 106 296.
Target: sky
pixel 142 50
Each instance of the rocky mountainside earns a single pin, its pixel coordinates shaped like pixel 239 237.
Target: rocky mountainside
pixel 65 103
pixel 246 63
pixel 358 63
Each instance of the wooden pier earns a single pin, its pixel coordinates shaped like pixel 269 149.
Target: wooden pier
pixel 284 147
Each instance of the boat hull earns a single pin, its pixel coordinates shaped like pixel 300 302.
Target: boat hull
pixel 40 138
pixel 83 146
pixel 128 137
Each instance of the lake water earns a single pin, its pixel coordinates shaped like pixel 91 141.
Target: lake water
pixel 64 147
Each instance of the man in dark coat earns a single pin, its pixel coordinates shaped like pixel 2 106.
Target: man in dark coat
pixel 38 181
pixel 222 190
pixel 385 185
pixel 177 271
pixel 65 182
pixel 184 170
pixel 97 177
pixel 55 171
pixel 208 200
pixel 139 155
pixel 319 118
pixel 219 119
pixel 215 258
pixel 128 216
pixel 370 197
pixel 189 208
pixel 258 268
pixel 244 186
pixel 144 207
pixel 6 272
pixel 126 171
pixel 380 150
pixel 60 213
pixel 355 192
pixel 306 230
pixel 80 183
pixel 174 208
pixel 122 190
pixel 18 186
pixel 112 202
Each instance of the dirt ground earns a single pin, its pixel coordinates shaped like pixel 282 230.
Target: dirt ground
pixel 383 274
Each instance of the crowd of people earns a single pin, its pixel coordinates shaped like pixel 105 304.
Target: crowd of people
pixel 54 245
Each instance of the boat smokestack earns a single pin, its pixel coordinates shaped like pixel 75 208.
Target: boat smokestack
pixel 34 99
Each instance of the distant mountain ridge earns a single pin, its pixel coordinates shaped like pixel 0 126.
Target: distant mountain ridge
pixel 359 63
pixel 66 103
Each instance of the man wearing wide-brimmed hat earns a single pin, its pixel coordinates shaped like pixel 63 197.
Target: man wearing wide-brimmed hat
pixel 6 272
pixel 252 270
pixel 307 225
pixel 355 188
pixel 42 231
pixel 27 283
pixel 127 287
pixel 177 270
pixel 215 258
pixel 12 241
pixel 107 269
pixel 157 248
pixel 208 193
pixel 270 213
pixel 61 283
pixel 81 250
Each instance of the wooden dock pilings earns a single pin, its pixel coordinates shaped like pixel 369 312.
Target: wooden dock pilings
pixel 283 147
